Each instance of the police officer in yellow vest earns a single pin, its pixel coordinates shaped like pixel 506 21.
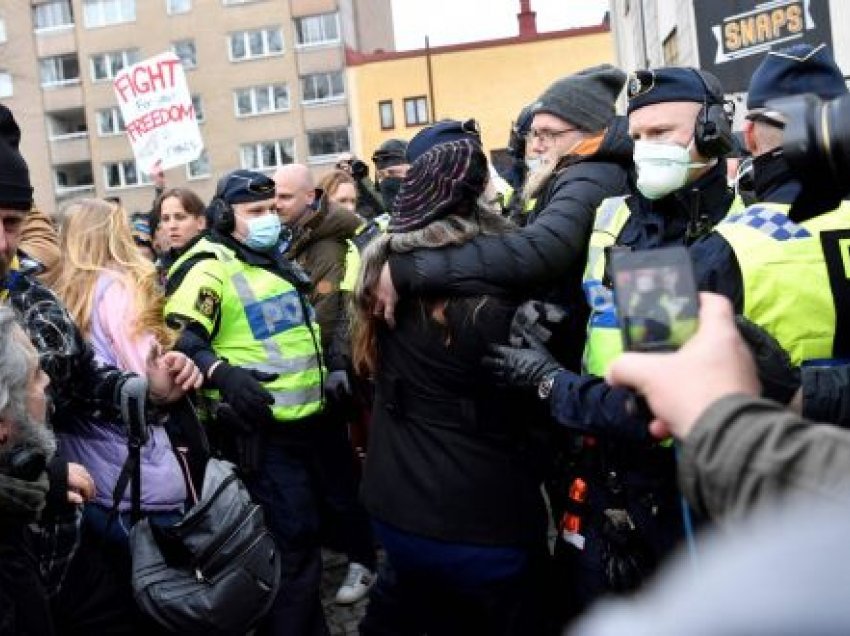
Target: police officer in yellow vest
pixel 782 267
pixel 625 513
pixel 249 327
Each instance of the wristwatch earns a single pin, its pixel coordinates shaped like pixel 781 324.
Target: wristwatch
pixel 544 388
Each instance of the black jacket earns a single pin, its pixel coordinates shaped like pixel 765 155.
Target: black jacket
pixel 549 250
pixel 448 454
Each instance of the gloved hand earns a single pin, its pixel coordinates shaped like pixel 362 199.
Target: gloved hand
pixel 522 367
pixel 780 379
pixel 337 385
pixel 626 558
pixel 359 170
pixel 242 389
pixel 537 318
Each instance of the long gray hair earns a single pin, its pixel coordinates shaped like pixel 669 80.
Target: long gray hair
pixel 451 230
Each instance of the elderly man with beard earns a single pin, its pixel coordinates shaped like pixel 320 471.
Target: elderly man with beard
pixel 26 446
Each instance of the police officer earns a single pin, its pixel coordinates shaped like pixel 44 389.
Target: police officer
pixel 781 266
pixel 623 510
pixel 248 324
pixel 390 167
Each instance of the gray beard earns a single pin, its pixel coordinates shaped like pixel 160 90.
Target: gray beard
pixel 28 434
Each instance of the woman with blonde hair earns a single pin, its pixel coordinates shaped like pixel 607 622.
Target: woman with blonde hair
pixel 340 189
pixel 111 292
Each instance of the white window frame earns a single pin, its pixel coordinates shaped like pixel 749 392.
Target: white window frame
pixel 257 147
pixel 116 117
pixel 190 41
pixel 61 82
pixel 126 12
pixel 246 35
pixel 253 95
pixel 111 72
pixel 2 30
pixel 6 80
pixel 327 158
pixel 170 10
pixel 53 27
pixel 233 3
pixel 331 99
pixel 203 175
pixel 325 41
pixel 144 179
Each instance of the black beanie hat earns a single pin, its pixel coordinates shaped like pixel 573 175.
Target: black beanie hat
pixel 438 183
pixel 585 99
pixel 15 187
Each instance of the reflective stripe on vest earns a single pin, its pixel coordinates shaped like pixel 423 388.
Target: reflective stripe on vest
pixel 787 288
pixel 263 326
pixel 604 342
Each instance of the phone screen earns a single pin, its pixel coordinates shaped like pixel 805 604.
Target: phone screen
pixel 656 298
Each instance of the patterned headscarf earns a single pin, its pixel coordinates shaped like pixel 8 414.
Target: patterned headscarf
pixel 445 180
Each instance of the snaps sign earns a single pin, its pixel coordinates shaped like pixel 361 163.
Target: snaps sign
pixel 161 122
pixel 734 35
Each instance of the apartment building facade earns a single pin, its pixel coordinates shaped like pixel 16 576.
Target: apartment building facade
pixel 266 76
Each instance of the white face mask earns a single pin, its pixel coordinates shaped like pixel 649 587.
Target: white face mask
pixel 662 168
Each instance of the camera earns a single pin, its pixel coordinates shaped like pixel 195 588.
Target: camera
pixel 817 144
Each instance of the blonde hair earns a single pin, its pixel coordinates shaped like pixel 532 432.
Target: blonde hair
pixel 452 230
pixel 96 238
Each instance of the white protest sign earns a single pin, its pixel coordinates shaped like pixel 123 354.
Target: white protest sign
pixel 158 113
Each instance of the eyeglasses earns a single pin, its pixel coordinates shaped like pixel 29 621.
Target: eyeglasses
pixel 547 136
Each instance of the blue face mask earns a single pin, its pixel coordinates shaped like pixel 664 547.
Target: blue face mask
pixel 263 231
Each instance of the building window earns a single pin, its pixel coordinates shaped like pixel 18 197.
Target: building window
pixel 178 6
pixel 110 122
pixel 59 70
pixel 98 13
pixel 105 66
pixel 199 168
pixel 2 30
pixel 246 45
pixel 670 47
pixel 322 87
pixel 6 84
pixel 313 30
pixel 258 100
pixel 52 15
pixel 185 50
pixel 325 143
pixel 415 111
pixel 267 155
pixel 385 111
pixel 124 174
pixel 198 105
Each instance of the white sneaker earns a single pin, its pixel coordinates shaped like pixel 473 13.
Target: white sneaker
pixel 357 582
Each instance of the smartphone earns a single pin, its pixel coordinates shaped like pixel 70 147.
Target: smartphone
pixel 656 298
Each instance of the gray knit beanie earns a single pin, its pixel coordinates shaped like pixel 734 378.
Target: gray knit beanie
pixel 584 99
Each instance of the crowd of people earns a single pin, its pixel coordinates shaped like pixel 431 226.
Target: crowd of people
pixel 429 366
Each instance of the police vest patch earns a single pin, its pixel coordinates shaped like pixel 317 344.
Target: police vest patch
pixel 208 302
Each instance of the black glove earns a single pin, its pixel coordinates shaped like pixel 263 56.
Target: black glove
pixel 242 389
pixel 780 379
pixel 522 367
pixel 337 385
pixel 627 559
pixel 359 170
pixel 536 318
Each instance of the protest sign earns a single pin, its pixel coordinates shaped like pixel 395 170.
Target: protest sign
pixel 158 113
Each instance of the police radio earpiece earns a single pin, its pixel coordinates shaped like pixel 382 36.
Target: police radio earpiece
pixel 713 127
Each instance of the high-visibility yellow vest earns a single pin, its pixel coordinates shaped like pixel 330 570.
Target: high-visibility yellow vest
pixel 604 341
pixel 364 235
pixel 787 288
pixel 257 320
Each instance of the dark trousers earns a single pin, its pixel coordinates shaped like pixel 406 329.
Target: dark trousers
pixel 345 523
pixel 285 486
pixel 436 602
